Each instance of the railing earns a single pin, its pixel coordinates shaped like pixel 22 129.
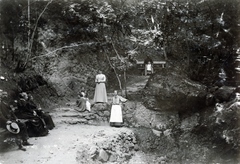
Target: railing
pixel 141 65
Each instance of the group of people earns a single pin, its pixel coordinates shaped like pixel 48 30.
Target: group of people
pixel 100 96
pixel 37 121
pixel 24 119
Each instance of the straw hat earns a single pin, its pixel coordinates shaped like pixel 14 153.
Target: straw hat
pixel 3 94
pixel 13 127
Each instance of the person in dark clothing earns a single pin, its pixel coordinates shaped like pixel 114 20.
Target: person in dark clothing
pixel 81 103
pixel 31 105
pixel 19 131
pixel 15 126
pixel 36 126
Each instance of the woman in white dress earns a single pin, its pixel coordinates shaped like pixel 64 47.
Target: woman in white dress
pixel 116 118
pixel 100 90
pixel 148 68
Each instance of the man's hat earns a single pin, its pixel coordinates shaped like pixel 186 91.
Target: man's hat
pixel 3 94
pixel 12 127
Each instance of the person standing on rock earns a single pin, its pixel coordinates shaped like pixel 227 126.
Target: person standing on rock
pixel 100 95
pixel 116 118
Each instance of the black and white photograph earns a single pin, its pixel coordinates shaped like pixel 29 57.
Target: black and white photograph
pixel 119 81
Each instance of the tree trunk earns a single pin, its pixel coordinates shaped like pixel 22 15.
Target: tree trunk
pixel 164 52
pixel 119 81
pixel 31 38
pixel 125 82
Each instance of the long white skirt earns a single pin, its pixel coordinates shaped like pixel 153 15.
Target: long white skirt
pixel 116 114
pixel 88 106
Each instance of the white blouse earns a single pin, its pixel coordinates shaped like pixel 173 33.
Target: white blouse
pixel 100 78
pixel 117 100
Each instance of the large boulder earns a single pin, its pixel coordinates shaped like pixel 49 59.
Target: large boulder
pixel 224 93
pixel 171 91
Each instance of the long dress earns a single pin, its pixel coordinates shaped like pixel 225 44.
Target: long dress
pixel 81 104
pixel 43 115
pixel 36 126
pixel 116 118
pixel 100 90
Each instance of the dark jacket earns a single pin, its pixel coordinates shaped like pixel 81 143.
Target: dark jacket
pixel 6 114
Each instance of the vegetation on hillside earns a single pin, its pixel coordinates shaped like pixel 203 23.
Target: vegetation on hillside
pixel 199 38
pixel 203 35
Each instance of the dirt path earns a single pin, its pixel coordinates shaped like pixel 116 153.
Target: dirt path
pixel 62 144
pixel 136 83
pixel 67 143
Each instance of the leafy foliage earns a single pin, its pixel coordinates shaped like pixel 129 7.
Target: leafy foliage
pixel 189 31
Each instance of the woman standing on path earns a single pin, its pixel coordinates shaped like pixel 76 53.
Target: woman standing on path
pixel 100 90
pixel 116 118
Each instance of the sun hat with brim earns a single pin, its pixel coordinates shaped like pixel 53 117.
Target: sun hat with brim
pixel 13 127
pixel 3 94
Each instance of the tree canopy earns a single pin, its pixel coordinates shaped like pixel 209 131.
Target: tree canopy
pixel 191 31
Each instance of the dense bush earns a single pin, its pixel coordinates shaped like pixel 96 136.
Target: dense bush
pixel 202 34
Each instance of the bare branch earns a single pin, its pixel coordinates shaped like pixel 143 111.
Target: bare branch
pixel 116 52
pixel 64 47
pixel 35 28
pixel 119 81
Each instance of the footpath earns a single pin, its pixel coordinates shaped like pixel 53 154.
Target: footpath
pixel 80 137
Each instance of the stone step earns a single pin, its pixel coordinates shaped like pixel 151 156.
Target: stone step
pixel 94 120
pixel 70 120
pixel 71 113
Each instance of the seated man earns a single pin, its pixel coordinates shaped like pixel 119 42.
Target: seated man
pixel 16 127
pixel 148 62
pixel 19 131
pixel 35 124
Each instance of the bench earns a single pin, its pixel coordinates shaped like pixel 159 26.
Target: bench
pixel 156 64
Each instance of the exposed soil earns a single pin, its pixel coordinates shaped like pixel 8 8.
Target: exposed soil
pixel 61 145
pixel 72 142
pixel 161 136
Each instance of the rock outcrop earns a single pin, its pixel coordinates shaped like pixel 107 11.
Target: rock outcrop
pixel 113 149
pixel 170 91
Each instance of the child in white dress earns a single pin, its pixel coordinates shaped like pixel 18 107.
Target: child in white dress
pixel 116 118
